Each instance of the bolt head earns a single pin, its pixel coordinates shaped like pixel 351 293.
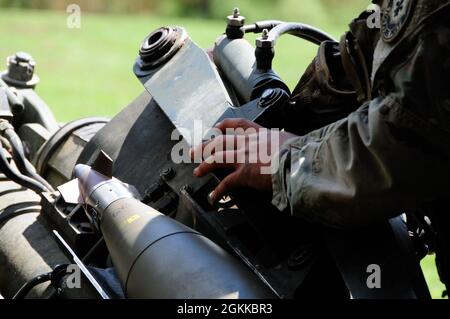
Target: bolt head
pixel 23 57
pixel 236 21
pixel 264 43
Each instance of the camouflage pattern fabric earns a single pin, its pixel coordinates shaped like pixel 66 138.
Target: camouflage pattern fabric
pixel 392 154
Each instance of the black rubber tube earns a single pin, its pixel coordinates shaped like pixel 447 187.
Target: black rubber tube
pixel 259 26
pixel 300 30
pixel 278 28
pixel 14 175
pixel 10 212
pixel 26 288
pixel 24 166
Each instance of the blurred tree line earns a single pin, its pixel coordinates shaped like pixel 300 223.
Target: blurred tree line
pixel 215 9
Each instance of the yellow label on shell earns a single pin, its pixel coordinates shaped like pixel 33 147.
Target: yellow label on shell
pixel 132 219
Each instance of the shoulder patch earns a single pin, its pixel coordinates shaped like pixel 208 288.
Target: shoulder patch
pixel 395 16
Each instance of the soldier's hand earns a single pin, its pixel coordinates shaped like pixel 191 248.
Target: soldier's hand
pixel 246 149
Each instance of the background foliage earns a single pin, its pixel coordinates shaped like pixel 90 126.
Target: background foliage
pixel 212 9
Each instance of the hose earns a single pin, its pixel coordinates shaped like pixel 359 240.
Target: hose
pixel 10 212
pixel 26 288
pixel 265 45
pixel 24 166
pixel 277 28
pixel 14 175
pixel 259 26
pixel 300 30
pixel 54 277
pixel 5 143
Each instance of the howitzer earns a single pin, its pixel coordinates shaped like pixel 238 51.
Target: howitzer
pixel 139 224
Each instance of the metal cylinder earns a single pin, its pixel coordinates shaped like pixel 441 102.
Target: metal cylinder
pixel 57 157
pixel 158 48
pixel 157 257
pixel 236 59
pixel 26 246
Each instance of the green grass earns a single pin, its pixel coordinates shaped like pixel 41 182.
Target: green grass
pixel 431 275
pixel 88 71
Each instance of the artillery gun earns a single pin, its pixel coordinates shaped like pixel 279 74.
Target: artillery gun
pixel 105 195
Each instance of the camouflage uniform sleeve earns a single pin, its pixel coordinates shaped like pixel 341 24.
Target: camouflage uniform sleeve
pixel 390 155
